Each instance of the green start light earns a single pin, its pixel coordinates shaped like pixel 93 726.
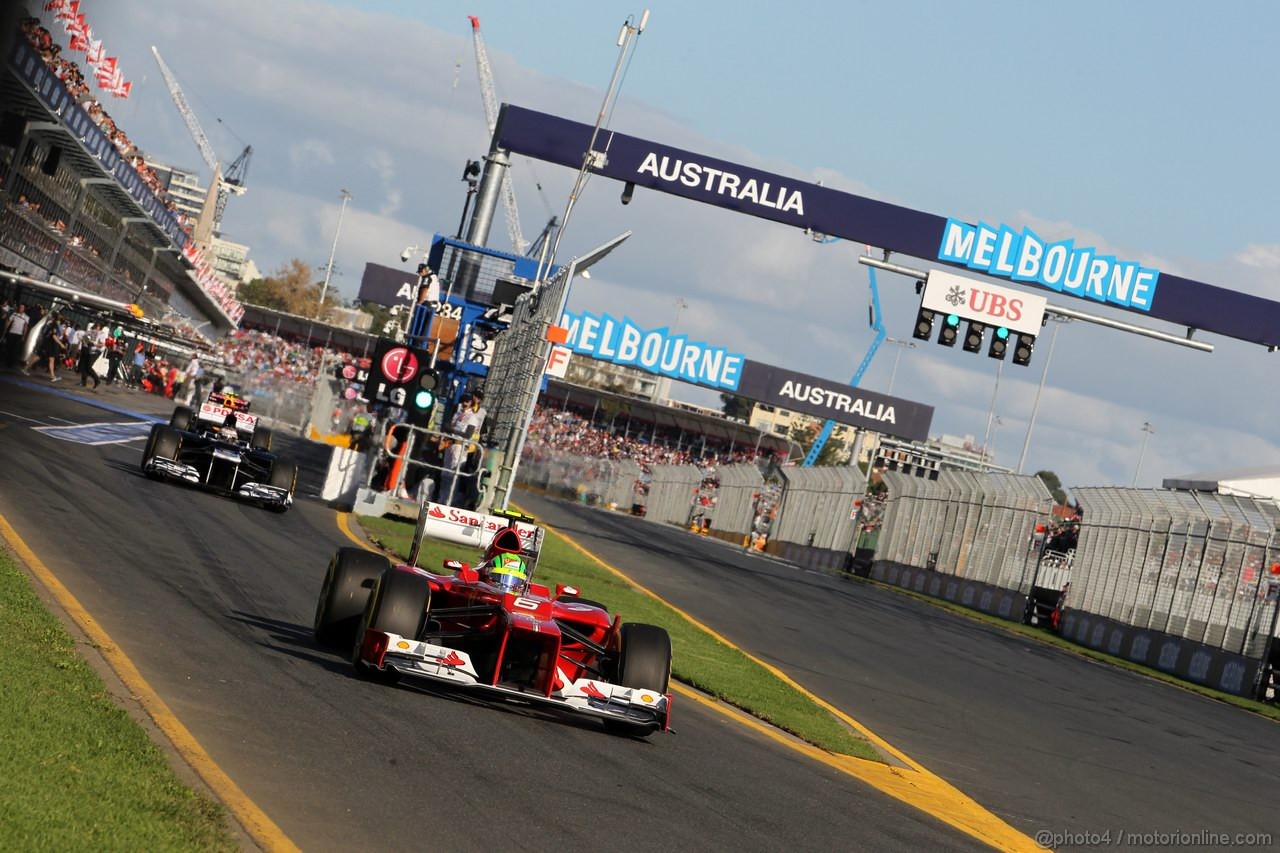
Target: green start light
pixel 424 399
pixel 1002 333
pixel 953 319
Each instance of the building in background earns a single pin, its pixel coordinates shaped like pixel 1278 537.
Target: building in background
pixel 926 458
pixel 615 378
pixel 229 261
pixel 182 187
pixel 783 422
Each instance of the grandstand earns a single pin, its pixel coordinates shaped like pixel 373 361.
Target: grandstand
pixel 78 206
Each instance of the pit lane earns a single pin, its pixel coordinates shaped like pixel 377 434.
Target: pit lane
pixel 212 600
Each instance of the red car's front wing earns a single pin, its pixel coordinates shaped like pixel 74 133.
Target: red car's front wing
pixel 591 696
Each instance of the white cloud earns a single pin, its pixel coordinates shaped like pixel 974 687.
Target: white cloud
pixel 310 153
pixel 383 164
pixel 1258 256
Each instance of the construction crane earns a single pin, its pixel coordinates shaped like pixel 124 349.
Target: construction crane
pixel 232 181
pixel 491 116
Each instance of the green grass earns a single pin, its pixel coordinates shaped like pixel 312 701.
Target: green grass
pixel 76 773
pixel 698 658
pixel 1049 638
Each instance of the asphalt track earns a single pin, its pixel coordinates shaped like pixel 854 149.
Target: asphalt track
pixel 1045 739
pixel 212 600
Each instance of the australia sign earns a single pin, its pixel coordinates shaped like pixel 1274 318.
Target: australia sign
pixel 828 400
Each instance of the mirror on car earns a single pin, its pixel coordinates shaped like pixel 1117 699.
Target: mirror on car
pixel 563 589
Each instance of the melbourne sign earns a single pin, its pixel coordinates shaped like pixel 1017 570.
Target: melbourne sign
pixel 1060 266
pixel 828 400
pixel 991 304
pixel 653 350
pixel 1016 255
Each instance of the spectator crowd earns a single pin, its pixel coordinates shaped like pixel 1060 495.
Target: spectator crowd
pixel 73 78
pixel 563 431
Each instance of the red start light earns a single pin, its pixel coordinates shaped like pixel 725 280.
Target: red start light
pixel 1039 528
pixel 1275 568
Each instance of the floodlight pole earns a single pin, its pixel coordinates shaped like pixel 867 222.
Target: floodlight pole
pixel 1147 429
pixel 991 416
pixel 328 270
pixel 897 355
pixel 1035 408
pixel 592 158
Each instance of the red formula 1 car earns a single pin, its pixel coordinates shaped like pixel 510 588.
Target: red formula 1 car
pixel 481 629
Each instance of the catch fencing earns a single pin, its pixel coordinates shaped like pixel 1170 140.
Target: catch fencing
pixel 606 483
pixel 1178 580
pixel 1187 564
pixel 815 525
pixel 980 527
pixel 733 501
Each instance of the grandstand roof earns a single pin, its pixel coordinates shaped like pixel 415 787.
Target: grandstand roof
pixel 318 333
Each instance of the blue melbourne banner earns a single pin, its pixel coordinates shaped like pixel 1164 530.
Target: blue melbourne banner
pixel 1124 284
pixel 1023 256
pixel 653 350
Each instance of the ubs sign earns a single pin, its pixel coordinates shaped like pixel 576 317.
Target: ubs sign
pixel 991 304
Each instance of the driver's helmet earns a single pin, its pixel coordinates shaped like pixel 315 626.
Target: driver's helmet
pixel 228 430
pixel 506 571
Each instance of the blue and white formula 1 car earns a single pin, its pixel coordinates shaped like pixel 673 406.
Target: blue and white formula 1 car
pixel 221 448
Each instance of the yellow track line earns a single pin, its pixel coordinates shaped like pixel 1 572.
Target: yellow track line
pixel 260 827
pixel 916 786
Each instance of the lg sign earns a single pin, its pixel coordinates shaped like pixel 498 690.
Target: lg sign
pixel 399 365
pixel 947 293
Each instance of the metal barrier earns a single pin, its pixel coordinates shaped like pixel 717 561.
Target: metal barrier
pixel 410 458
pixel 817 507
pixel 1179 581
pixel 736 494
pixel 671 492
pixel 980 527
pixel 1193 565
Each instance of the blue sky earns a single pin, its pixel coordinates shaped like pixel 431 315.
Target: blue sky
pixel 1146 127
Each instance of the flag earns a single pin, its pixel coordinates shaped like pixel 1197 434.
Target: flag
pixel 95 52
pixel 66 11
pixel 122 91
pixel 54 5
